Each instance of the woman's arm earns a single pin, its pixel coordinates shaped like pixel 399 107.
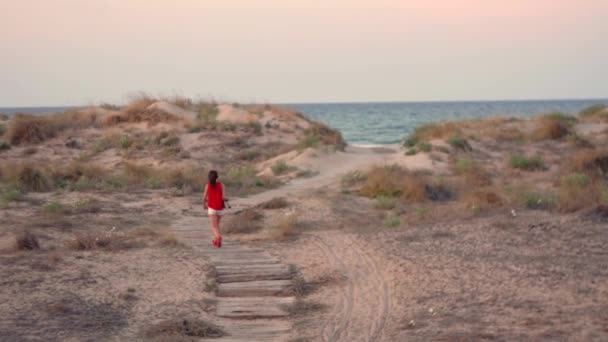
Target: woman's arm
pixel 205 197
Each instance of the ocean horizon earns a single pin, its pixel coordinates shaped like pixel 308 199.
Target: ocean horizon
pixel 381 123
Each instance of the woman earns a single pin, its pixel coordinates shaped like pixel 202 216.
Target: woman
pixel 213 201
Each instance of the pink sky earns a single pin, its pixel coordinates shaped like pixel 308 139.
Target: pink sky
pixel 72 51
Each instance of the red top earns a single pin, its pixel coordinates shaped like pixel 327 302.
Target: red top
pixel 215 196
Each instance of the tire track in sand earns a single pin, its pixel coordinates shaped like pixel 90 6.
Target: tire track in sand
pixel 364 279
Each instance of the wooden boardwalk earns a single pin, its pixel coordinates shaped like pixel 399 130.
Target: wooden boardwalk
pixel 253 287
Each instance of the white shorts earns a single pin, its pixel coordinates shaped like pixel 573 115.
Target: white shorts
pixel 214 212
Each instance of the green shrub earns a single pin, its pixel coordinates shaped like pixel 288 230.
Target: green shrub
pixel 309 141
pixel 592 110
pixel 352 178
pixel 33 179
pixel 459 143
pixel 391 221
pixel 248 155
pixel 539 201
pixel 84 183
pixel 54 207
pixel 280 167
pixel 306 173
pixel 463 165
pixel 125 141
pixel 9 195
pixel 254 127
pixel 410 141
pixel 425 147
pixel 2 129
pixel 4 146
pixel 101 145
pixel 411 152
pixel 385 202
pixel 522 162
pixel 576 179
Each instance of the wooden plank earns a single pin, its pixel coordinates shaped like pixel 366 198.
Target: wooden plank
pixel 265 261
pixel 253 308
pixel 257 288
pixel 251 276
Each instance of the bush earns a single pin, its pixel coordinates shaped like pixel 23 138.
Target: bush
pixel 385 202
pixel 552 126
pixel 394 181
pixel 54 207
pixel 4 146
pixel 244 222
pixel 280 167
pixel 352 178
pixel 459 143
pixel 322 133
pixel 183 330
pixel 391 221
pixel 284 227
pixel 425 147
pixel 578 191
pixel 24 129
pixel 589 161
pixel 309 141
pixel 248 155
pixel 410 141
pixel 522 162
pixel 125 141
pixel 10 194
pixel 26 241
pixel 411 152
pixel 2 129
pixel 275 203
pixel 593 110
pixel 433 131
pixel 538 201
pixel 32 178
pixel 474 174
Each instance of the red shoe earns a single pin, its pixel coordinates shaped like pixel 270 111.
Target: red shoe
pixel 214 241
pixel 219 242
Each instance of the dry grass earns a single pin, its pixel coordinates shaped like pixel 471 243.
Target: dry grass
pixel 593 162
pixel 473 173
pixel 595 113
pixel 552 127
pixel 432 131
pixel 324 134
pixel 182 329
pixel 26 241
pixel 284 227
pixel 275 203
pixel 30 129
pixel 395 181
pixel 244 222
pixel 98 240
pixel 578 191
pixel 483 199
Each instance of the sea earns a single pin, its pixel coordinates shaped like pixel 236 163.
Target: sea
pixel 381 123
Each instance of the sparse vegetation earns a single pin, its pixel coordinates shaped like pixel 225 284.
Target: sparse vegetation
pixel 577 191
pixel 275 203
pixel 552 126
pixel 539 200
pixel 519 161
pixel 284 227
pixel 391 221
pixel 183 328
pixel 244 222
pixel 4 146
pixel 459 143
pixel 26 241
pixel 280 168
pixel 385 202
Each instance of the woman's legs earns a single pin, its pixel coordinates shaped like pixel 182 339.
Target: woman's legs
pixel 214 226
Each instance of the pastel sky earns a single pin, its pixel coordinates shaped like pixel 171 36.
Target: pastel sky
pixel 69 52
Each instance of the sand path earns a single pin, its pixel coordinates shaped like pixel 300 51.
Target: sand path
pixel 253 286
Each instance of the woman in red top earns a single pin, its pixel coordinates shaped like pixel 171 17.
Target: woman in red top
pixel 213 201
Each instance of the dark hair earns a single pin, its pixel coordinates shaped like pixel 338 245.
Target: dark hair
pixel 213 177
